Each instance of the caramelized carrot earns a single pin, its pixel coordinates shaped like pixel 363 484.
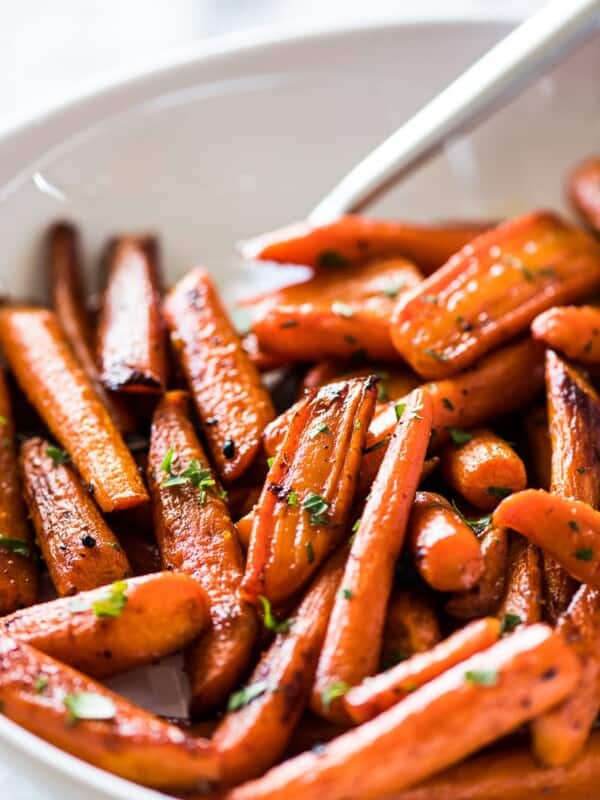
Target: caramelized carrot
pixel 457 713
pixel 482 468
pixel 522 601
pixel 411 625
pixel 131 341
pixel 244 528
pixel 306 500
pixel 539 447
pixel 393 382
pixel 80 550
pixel 196 535
pixel 354 238
pixel 253 736
pixel 446 551
pixel 485 596
pixel 354 635
pixel 63 396
pixel 492 290
pixel 572 330
pixel 112 629
pixel 584 191
pixel 80 716
pixel 232 403
pixel 379 693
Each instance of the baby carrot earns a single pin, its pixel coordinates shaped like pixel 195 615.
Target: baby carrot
pixel 411 624
pixel 522 603
pixel 572 330
pixel 539 447
pixel 485 596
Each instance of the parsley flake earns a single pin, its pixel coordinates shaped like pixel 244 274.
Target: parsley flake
pixel 510 622
pixel 331 258
pixel 16 546
pixel 498 491
pixel 246 695
pixel 317 507
pixel 333 692
pixel 89 705
pixel 399 408
pixel 482 677
pixel 310 552
pixel 459 436
pixel 584 554
pixel 113 602
pixel 270 620
pixel 57 455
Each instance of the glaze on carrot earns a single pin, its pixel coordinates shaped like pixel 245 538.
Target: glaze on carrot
pixel 572 330
pixel 485 596
pixel 411 624
pixel 583 188
pixel 394 382
pixel 524 595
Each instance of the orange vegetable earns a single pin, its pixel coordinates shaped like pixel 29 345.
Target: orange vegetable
pixel 80 550
pixel 196 535
pixel 584 191
pixel 131 341
pixel 306 500
pixel 117 627
pixel 232 403
pixel 446 551
pixel 394 382
pixel 524 596
pixel 411 625
pixel 539 447
pixel 492 290
pixel 379 693
pixel 457 713
pixel 354 635
pixel 572 330
pixel 262 360
pixel 485 596
pixel 483 469
pixel 82 717
pixel 63 396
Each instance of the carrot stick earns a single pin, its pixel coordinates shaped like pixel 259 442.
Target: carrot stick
pixel 131 342
pixel 583 188
pixel 80 716
pixel 253 736
pixel 196 535
pixel 117 627
pixel 306 500
pixel 379 693
pixel 572 330
pixel 354 635
pixel 457 713
pixel 522 601
pixel 80 550
pixel 63 396
pixel 485 596
pixel 411 625
pixel 232 403
pixel 492 290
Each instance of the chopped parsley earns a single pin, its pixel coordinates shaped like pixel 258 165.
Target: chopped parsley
pixel 573 525
pixel 292 499
pixel 399 409
pixel 459 436
pixel 246 695
pixel 382 393
pixel 434 354
pixel 510 622
pixel 356 525
pixel 317 428
pixel 16 546
pixel 89 705
pixel 270 620
pixel 41 684
pixel 310 552
pixel 317 507
pixel 584 554
pixel 333 692
pixel 482 677
pixel 57 455
pixel 270 461
pixel 499 491
pixel 194 474
pixel 478 525
pixel 393 291
pixel 331 258
pixel 373 447
pixel 347 594
pixel 113 602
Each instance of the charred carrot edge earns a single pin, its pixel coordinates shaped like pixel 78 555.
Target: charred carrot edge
pixel 411 625
pixel 261 358
pixel 539 447
pixel 439 724
pixel 522 602
pixel 62 394
pixel 483 468
pixel 116 627
pixel 485 597
pixel 63 267
pixel 80 550
pixel 196 535
pixel 446 551
pixel 583 189
pixel 304 506
pixel 509 283
pixel 354 635
pixel 131 337
pixel 379 693
pixel 355 238
pixel 253 737
pixel 232 403
pixel 572 330
pixel 46 697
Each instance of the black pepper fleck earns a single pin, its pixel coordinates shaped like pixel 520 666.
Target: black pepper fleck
pixel 88 541
pixel 229 448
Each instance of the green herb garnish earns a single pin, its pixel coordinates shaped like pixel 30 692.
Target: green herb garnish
pixel 57 455
pixel 499 491
pixel 459 436
pixel 482 677
pixel 270 620
pixel 88 705
pixel 17 546
pixel 113 602
pixel 584 554
pixel 510 622
pixel 333 692
pixel 246 695
pixel 317 507
pixel 310 552
pixel 331 258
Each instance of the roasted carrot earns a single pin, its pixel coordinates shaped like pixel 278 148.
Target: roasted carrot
pixel 262 360
pixel 411 624
pixel 572 330
pixel 522 602
pixel 539 447
pixel 63 265
pixel 446 551
pixel 354 635
pixel 354 238
pixel 131 336
pixel 254 734
pixel 485 596
pixel 116 627
pixel 63 396
pixel 482 467
pixel 492 290
pixel 457 713
pixel 379 693
pixel 232 403
pixel 583 189
pixel 393 382
pixel 80 550
pixel 80 716
pixel 196 535
pixel 306 500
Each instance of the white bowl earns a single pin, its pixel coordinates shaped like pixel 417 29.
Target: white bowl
pixel 238 139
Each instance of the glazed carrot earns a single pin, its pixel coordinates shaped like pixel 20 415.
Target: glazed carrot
pixel 572 330
pixel 354 635
pixel 262 360
pixel 117 627
pixel 457 713
pixel 485 596
pixel 80 550
pixel 539 447
pixel 523 598
pixel 411 625
pixel 394 382
pixel 355 238
pixel 583 189
pixel 306 500
pixel 80 716
pixel 342 314
pixel 63 265
pixel 244 528
pixel 196 535
pixel 232 403
pixel 492 290
pixel 131 340
pixel 482 469
pixel 446 551
pixel 253 736
pixel 379 693
pixel 63 396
